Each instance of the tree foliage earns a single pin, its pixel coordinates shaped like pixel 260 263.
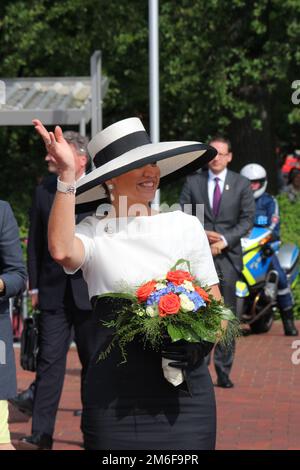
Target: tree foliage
pixel 290 233
pixel 225 67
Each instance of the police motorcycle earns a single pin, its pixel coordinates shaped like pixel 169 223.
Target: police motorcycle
pixel 256 291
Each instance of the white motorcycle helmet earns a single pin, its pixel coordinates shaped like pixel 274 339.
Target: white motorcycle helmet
pixel 255 172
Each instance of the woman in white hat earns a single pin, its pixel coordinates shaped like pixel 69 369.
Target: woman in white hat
pixel 132 406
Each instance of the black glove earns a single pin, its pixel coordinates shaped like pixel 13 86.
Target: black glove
pixel 186 355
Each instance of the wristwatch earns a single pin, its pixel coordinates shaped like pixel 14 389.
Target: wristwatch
pixel 67 188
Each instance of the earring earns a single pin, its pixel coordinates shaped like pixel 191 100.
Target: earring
pixel 111 187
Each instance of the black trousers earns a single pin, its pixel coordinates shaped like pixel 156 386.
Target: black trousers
pixel 55 336
pixel 228 275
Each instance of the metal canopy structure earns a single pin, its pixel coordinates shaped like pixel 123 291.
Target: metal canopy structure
pixel 56 100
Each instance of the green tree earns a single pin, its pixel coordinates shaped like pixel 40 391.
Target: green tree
pixel 225 67
pixel 53 38
pixel 290 233
pixel 228 67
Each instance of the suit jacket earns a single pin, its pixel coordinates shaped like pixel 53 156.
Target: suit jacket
pixel 13 273
pixel 44 273
pixel 236 213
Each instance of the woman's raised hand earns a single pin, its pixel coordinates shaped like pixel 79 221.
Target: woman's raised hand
pixel 57 147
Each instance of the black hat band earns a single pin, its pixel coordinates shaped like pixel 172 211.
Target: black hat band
pixel 121 146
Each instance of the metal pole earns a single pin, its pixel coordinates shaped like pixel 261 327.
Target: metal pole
pixel 154 70
pixel 154 76
pixel 95 64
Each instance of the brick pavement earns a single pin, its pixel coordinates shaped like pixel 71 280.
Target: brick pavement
pixel 262 411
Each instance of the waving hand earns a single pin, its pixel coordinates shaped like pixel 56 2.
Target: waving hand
pixel 57 147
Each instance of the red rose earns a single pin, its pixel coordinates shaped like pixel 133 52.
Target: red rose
pixel 177 277
pixel 202 293
pixel 145 290
pixel 168 305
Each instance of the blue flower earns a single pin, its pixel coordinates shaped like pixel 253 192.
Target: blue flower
pixel 180 290
pixel 155 296
pixel 170 288
pixel 193 296
pixel 197 299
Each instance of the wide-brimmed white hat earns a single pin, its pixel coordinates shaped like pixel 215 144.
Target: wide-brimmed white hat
pixel 125 146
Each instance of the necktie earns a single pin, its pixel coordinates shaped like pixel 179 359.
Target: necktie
pixel 217 197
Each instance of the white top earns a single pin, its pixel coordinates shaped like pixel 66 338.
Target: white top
pixel 211 184
pixel 137 249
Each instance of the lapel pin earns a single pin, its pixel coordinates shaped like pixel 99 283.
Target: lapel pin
pixel 227 187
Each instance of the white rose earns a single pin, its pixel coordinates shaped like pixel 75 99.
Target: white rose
pixel 188 286
pixel 160 285
pixel 186 304
pixel 151 311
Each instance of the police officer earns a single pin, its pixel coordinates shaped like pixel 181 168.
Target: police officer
pixel 267 215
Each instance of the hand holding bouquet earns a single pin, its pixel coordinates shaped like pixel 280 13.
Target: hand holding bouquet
pixel 174 307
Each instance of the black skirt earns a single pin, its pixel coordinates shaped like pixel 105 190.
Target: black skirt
pixel 132 406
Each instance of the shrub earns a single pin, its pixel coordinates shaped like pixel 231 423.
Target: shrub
pixel 290 232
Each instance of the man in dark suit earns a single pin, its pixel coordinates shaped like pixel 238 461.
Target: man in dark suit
pixel 228 216
pixel 63 302
pixel 12 283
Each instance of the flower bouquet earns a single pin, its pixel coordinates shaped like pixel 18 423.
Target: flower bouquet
pixel 175 306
